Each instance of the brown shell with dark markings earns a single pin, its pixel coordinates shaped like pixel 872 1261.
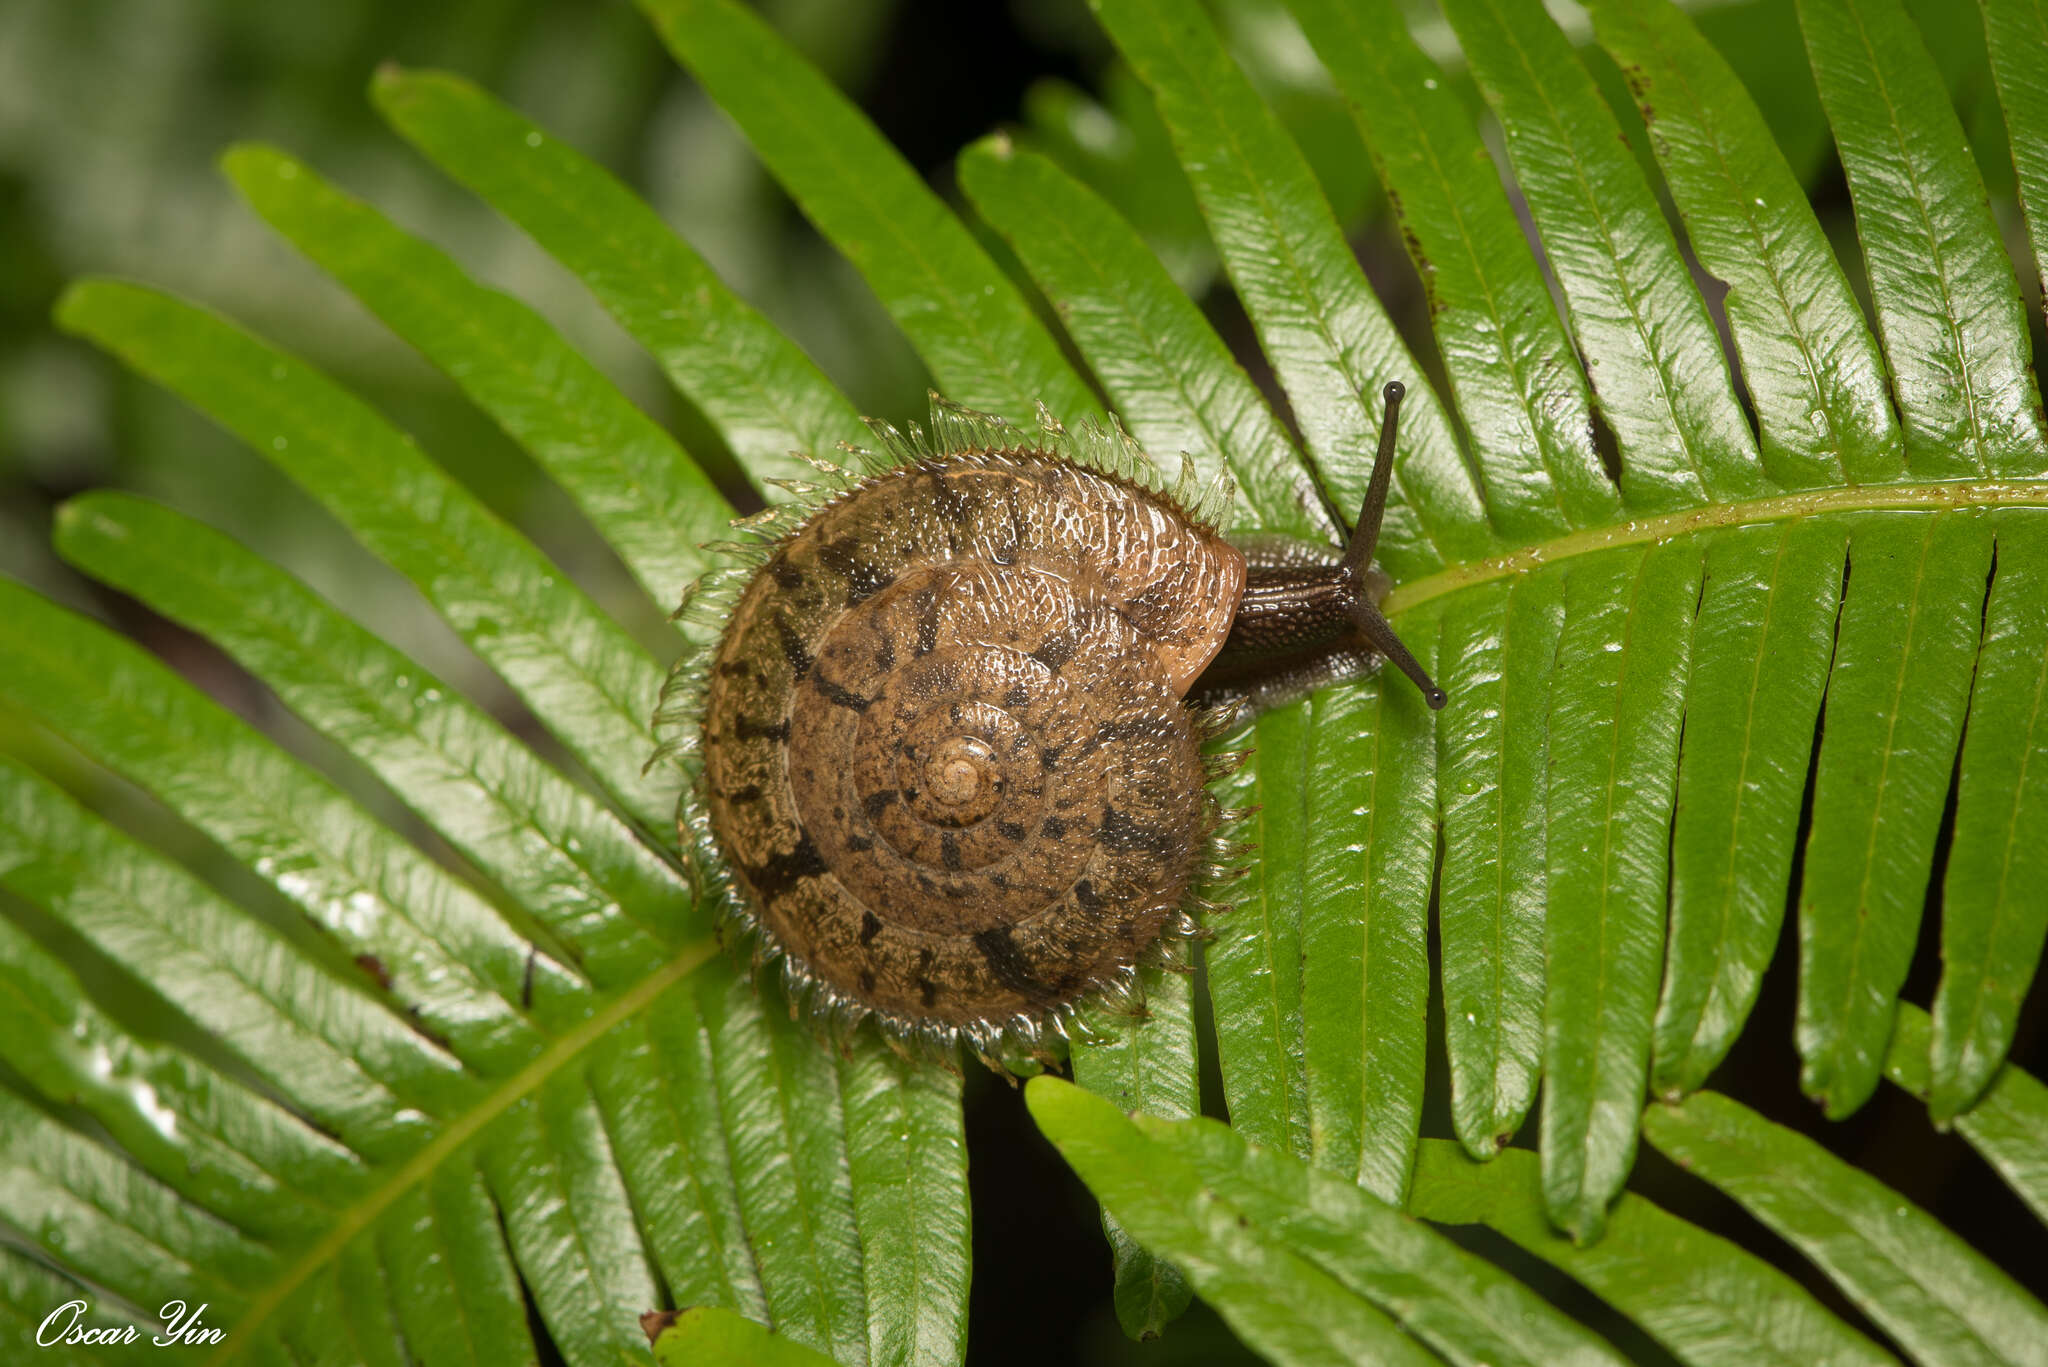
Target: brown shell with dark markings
pixel 943 759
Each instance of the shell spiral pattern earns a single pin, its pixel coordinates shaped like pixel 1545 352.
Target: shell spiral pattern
pixel 944 755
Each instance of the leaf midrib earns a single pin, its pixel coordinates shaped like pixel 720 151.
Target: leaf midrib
pixel 415 1170
pixel 1792 507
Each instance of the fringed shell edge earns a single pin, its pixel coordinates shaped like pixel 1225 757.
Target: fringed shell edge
pixel 1016 1044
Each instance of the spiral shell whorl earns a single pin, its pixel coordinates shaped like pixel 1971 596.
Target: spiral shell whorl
pixel 943 765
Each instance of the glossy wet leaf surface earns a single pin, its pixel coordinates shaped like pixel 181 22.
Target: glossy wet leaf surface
pixel 456 1035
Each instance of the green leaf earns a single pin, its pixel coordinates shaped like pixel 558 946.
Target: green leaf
pixel 799 1211
pixel 1499 645
pixel 137 1234
pixel 2014 32
pixel 827 1196
pixel 456 1295
pixel 1318 990
pixel 1147 1064
pixel 1615 714
pixel 1813 370
pixel 392 1094
pixel 1922 1285
pixel 1518 385
pixel 548 1158
pixel 1651 351
pixel 1760 657
pixel 655 1079
pixel 1371 854
pixel 1133 167
pixel 1709 1303
pixel 1911 609
pixel 348 1065
pixel 561 855
pixel 765 396
pixel 1144 339
pixel 1993 918
pixel 908 1161
pixel 235 1154
pixel 439 944
pixel 707 1336
pixel 877 1141
pixel 36 1313
pixel 578 670
pixel 1305 1266
pixel 1326 335
pixel 1255 958
pixel 407 1093
pixel 969 323
pixel 2004 1125
pixel 1149 1292
pixel 628 475
pixel 1945 298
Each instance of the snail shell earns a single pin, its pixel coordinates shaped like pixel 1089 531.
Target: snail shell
pixel 946 766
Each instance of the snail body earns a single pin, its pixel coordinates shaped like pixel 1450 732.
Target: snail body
pixel 943 759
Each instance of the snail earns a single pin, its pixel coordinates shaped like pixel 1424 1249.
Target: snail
pixel 945 754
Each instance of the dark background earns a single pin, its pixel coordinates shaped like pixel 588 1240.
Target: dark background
pixel 112 111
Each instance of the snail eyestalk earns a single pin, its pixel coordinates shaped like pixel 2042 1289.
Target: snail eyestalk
pixel 1378 631
pixel 1365 537
pixel 1358 557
